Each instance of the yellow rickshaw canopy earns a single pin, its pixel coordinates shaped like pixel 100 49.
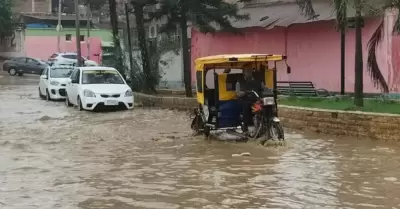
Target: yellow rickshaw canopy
pixel 236 58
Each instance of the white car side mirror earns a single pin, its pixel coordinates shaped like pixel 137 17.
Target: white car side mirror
pixel 43 76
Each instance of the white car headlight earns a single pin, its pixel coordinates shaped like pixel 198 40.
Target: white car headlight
pixel 268 101
pixel 88 93
pixel 128 93
pixel 54 83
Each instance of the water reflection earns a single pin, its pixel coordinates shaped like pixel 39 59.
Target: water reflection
pixel 148 159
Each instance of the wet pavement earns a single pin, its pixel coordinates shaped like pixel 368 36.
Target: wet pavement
pixel 57 157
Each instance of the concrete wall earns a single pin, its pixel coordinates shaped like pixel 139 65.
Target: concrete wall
pixel 43 47
pixel 13 46
pixel 173 74
pixel 313 51
pixel 29 6
pixel 342 123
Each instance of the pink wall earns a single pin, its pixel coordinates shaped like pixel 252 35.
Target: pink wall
pixel 43 47
pixel 313 51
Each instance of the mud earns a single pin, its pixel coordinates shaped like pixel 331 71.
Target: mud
pixel 57 157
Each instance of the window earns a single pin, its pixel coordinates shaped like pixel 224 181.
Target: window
pixel 70 56
pixel 60 72
pixel 75 76
pixel 19 59
pixel 101 77
pixel 68 37
pixel 199 81
pixel 31 61
pixel 82 38
pixel 78 76
pixel 44 72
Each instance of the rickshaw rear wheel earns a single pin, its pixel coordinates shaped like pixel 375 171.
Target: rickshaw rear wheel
pixel 206 132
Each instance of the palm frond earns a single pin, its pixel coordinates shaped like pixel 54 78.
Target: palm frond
pixel 340 9
pixel 395 4
pixel 307 8
pixel 372 63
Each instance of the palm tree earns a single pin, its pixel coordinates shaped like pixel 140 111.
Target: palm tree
pixel 207 16
pixel 372 64
pixel 340 7
pixel 358 75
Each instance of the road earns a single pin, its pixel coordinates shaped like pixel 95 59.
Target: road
pixel 57 157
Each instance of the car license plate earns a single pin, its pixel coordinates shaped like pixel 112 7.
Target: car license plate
pixel 111 102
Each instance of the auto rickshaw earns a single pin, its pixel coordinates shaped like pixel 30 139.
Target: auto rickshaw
pixel 222 101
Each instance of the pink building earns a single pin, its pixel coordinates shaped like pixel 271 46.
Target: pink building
pixel 312 46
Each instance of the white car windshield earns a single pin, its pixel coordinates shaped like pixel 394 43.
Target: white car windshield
pixel 101 77
pixel 60 72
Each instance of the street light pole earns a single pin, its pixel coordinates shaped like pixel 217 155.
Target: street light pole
pixel 59 26
pixel 78 34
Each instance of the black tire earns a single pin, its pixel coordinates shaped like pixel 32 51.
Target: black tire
pixel 79 104
pixel 13 71
pixel 48 98
pixel 20 74
pixel 275 131
pixel 67 102
pixel 40 94
pixel 206 132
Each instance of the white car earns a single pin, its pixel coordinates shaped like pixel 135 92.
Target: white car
pixel 91 88
pixel 70 58
pixel 53 82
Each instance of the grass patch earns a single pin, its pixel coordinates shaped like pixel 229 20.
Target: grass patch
pixel 346 104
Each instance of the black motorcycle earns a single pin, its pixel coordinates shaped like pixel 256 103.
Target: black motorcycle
pixel 265 124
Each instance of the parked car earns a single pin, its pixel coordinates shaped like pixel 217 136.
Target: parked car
pixel 70 58
pixel 53 82
pixel 91 88
pixel 21 65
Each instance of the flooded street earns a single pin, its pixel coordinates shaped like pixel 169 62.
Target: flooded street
pixel 57 157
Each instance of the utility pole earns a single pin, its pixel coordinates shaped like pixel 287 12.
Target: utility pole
pixel 59 26
pixel 128 28
pixel 88 14
pixel 78 34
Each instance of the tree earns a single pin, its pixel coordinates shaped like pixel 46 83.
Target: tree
pixel 207 16
pixel 362 6
pixel 95 4
pixel 358 75
pixel 372 64
pixel 138 10
pixel 6 22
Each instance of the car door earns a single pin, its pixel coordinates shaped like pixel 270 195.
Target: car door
pixel 70 85
pixel 75 80
pixel 43 81
pixel 32 66
pixel 20 63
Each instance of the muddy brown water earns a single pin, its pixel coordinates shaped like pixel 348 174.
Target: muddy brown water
pixel 57 157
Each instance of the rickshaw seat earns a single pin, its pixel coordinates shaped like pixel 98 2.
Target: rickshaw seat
pixel 229 113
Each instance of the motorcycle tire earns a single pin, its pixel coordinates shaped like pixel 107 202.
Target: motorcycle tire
pixel 275 131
